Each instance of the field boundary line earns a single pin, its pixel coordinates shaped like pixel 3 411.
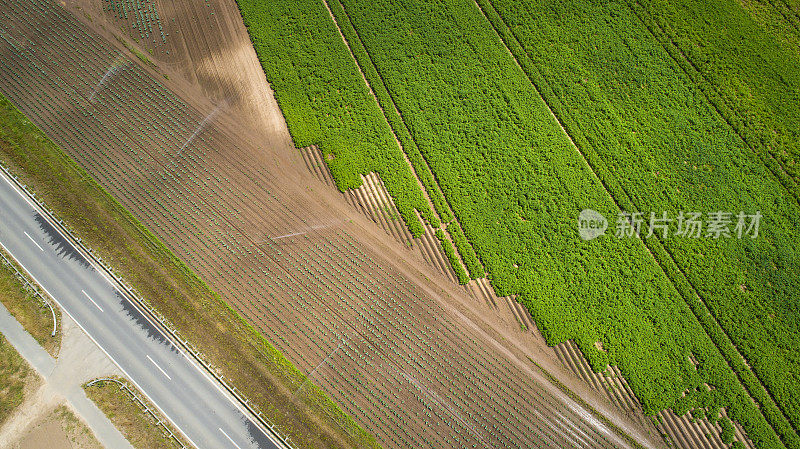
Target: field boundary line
pixel 700 302
pixel 711 101
pixel 414 168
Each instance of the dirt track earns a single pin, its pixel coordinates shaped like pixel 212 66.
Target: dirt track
pixel 386 336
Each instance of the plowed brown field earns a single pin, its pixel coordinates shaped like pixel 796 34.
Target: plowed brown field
pixel 204 161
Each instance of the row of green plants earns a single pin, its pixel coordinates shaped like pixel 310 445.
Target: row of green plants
pixel 474 268
pixel 391 113
pixel 754 83
pixel 325 101
pixel 516 186
pixel 452 257
pixel 658 144
pixel 468 254
pixel 750 74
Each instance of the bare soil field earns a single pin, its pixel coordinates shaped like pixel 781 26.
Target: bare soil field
pixel 206 46
pixel 60 429
pixel 372 325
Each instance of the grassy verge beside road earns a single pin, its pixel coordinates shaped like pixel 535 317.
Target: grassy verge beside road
pixel 14 374
pixel 139 427
pixel 27 309
pixel 239 352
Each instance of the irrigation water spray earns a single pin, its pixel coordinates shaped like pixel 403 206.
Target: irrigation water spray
pixel 112 71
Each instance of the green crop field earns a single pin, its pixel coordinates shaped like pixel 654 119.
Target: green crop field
pixel 746 61
pixel 319 89
pixel 679 107
pixel 659 144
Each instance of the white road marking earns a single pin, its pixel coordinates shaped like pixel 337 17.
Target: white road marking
pixel 159 368
pixel 226 394
pixel 92 300
pixel 91 337
pixel 24 197
pixel 229 438
pixel 112 282
pixel 32 240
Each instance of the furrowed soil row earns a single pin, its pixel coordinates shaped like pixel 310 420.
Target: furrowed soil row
pixel 244 310
pixel 441 209
pixel 620 395
pixel 300 279
pixel 373 192
pixel 323 275
pixel 427 244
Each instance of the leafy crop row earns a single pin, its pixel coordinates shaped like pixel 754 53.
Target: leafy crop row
pixel 326 102
pixel 658 144
pixel 452 257
pixel 468 113
pixel 516 186
pixel 751 78
pixel 467 252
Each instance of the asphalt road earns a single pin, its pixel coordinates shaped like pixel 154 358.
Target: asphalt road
pixel 187 395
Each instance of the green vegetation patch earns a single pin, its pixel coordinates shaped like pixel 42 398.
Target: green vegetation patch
pixel 744 56
pixel 325 101
pixel 658 143
pixel 648 139
pixel 14 374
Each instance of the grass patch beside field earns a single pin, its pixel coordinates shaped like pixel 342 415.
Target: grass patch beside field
pixel 257 369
